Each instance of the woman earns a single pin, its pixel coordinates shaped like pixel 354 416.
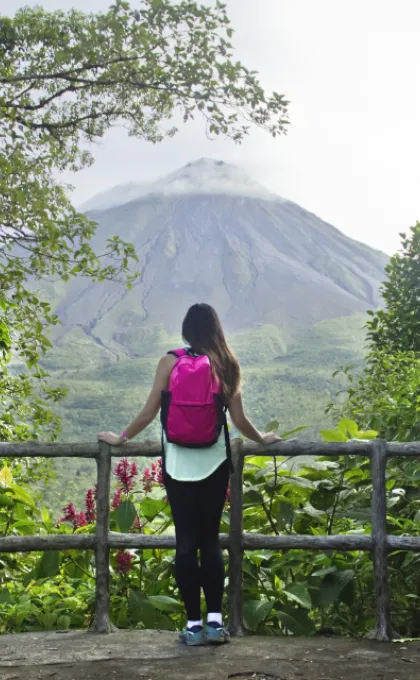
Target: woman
pixel 196 479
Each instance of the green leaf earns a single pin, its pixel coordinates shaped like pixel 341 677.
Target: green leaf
pixel 332 585
pixel 333 436
pixel 125 515
pixel 367 434
pixel 151 507
pixel 5 597
pixel 63 622
pixel 255 612
pixel 322 498
pixel 296 621
pixel 348 427
pixel 298 592
pixel 48 620
pixel 6 501
pixel 6 477
pixel 142 612
pixel 284 514
pixel 324 571
pixel 25 527
pixel 348 593
pixel 71 603
pixel 49 565
pixel 252 497
pixel 20 494
pixel 295 480
pixel 165 603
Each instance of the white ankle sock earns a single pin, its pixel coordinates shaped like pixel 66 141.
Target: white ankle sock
pixel 215 618
pixel 191 624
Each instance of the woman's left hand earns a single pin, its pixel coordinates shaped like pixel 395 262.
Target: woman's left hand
pixel 110 438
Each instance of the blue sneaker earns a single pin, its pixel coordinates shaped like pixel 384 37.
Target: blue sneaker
pixel 192 637
pixel 216 634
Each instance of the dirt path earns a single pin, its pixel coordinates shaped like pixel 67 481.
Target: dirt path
pixel 151 655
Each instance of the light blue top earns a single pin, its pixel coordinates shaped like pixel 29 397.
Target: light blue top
pixel 191 465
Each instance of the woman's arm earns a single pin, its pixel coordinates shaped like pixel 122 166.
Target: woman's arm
pixel 151 407
pixel 244 425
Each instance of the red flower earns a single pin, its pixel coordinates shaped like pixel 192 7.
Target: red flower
pixel 124 562
pixel 117 500
pixel 90 506
pixel 228 495
pixel 78 519
pixel 126 474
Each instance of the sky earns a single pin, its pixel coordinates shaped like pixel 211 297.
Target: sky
pixel 351 72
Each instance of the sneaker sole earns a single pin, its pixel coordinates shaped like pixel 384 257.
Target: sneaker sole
pixel 216 642
pixel 199 643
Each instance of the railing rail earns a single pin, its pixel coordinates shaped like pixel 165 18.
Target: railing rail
pixel 379 543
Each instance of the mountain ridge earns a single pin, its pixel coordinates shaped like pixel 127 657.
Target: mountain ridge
pixel 258 258
pixel 203 176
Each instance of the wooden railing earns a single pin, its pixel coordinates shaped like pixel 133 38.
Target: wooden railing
pixel 379 543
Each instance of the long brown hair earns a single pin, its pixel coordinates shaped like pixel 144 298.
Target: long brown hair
pixel 203 331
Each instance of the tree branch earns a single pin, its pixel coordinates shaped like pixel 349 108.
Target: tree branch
pixel 87 66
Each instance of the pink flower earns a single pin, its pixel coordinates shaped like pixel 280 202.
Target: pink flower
pixel 78 519
pixel 69 513
pixel 124 562
pixel 126 474
pixel 227 496
pixel 117 500
pixel 159 473
pixel 90 506
pixel 147 480
pixel 152 475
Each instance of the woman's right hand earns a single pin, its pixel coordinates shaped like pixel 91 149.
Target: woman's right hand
pixel 269 438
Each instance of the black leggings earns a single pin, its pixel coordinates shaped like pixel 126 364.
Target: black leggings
pixel 197 510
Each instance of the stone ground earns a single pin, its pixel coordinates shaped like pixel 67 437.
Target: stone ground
pixel 152 655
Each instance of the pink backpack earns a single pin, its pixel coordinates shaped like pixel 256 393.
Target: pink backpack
pixel 192 410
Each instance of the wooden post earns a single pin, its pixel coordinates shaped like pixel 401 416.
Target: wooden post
pixel 383 631
pixel 101 623
pixel 235 543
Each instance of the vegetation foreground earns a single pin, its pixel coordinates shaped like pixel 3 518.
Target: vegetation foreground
pixel 292 592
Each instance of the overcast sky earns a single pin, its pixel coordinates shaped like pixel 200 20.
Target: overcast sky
pixel 351 71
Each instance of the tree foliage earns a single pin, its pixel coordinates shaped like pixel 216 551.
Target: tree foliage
pixel 397 327
pixel 385 394
pixel 65 79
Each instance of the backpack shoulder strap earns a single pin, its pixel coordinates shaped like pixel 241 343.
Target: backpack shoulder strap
pixel 178 353
pixel 227 441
